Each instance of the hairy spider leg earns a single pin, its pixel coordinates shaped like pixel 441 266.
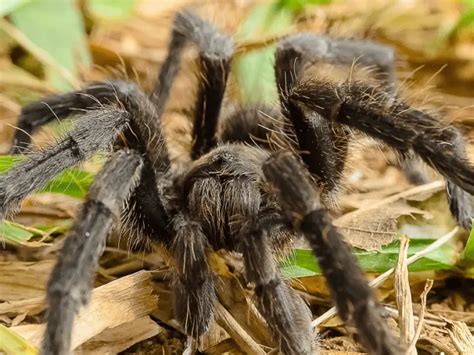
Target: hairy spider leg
pixel 354 298
pixel 388 119
pixel 193 282
pixel 287 316
pixel 142 132
pixel 58 107
pixel 323 144
pixel 215 53
pixel 97 130
pixel 70 283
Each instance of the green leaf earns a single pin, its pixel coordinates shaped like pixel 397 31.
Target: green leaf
pixel 468 252
pixel 8 6
pixel 467 258
pixel 466 20
pixel 111 9
pixel 72 182
pixel 302 262
pixel 56 26
pixel 254 70
pixel 297 5
pixel 14 233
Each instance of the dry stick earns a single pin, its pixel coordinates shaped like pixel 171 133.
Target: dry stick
pixel 38 52
pixel 403 297
pixel 430 187
pixel 461 337
pixel 234 329
pixel 419 327
pixel 382 277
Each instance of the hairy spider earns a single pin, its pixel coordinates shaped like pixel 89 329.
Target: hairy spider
pixel 236 193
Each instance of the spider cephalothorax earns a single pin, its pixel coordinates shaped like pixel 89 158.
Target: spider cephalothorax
pixel 235 192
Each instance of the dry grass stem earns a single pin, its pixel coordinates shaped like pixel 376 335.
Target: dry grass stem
pixel 461 337
pixel 233 328
pixel 403 297
pixel 421 317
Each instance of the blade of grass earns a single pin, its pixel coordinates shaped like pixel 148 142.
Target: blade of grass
pixel 11 343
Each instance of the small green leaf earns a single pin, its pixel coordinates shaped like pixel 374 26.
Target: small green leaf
pixel 72 182
pixel 56 27
pixel 254 71
pixel 466 20
pixel 467 258
pixel 14 233
pixel 8 6
pixel 111 9
pixel 297 5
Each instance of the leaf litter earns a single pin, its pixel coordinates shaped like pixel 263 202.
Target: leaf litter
pixel 131 310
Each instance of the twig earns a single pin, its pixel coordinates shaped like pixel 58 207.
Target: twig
pixel 382 277
pixel 419 327
pixel 461 337
pixel 403 297
pixel 233 328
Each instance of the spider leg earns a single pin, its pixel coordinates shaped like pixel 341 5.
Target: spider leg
pixel 70 283
pixel 324 144
pixel 193 283
pixel 354 299
pixel 287 316
pixel 403 128
pixel 97 130
pixel 39 113
pixel 143 134
pixel 255 231
pixel 215 53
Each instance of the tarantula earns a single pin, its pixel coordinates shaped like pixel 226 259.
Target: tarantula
pixel 236 193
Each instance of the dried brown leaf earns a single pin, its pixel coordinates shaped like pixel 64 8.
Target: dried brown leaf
pixel 115 340
pixel 121 301
pixel 24 280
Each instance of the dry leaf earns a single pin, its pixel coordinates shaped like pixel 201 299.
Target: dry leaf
pixel 121 301
pixel 23 280
pixel 115 340
pixel 372 229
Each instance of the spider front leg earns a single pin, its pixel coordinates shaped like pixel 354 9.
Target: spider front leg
pixel 215 53
pixel 70 283
pixel 390 120
pixel 354 299
pixel 193 283
pixel 97 130
pixel 287 316
pixel 58 107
